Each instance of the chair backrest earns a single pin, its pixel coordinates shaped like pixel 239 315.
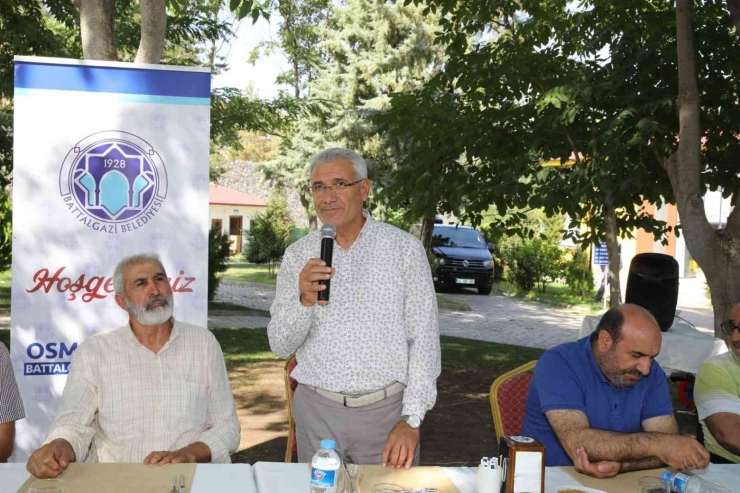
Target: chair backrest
pixel 290 385
pixel 509 400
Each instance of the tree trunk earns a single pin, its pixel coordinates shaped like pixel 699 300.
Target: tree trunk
pixel 734 6
pixel 612 248
pixel 97 19
pixel 153 27
pixel 716 252
pixel 296 80
pixel 306 203
pixel 427 227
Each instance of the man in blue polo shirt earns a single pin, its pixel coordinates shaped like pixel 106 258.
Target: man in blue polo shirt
pixel 601 403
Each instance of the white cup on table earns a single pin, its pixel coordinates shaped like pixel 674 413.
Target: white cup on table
pixel 489 480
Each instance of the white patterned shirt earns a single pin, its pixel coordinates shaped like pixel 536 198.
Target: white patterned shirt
pixel 130 402
pixel 380 325
pixel 11 405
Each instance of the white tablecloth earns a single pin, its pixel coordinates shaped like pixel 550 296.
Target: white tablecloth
pixel 684 348
pixel 294 478
pixel 231 478
pixel 278 477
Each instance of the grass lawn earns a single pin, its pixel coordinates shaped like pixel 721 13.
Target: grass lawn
pixel 249 346
pixel 251 273
pixel 5 289
pixel 555 292
pixel 230 307
pixel 244 346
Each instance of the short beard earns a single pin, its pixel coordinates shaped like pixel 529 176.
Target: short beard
pixel 145 315
pixel 608 366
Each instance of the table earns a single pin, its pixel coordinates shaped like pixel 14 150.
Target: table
pixel 294 478
pixel 684 348
pixel 278 477
pixel 208 478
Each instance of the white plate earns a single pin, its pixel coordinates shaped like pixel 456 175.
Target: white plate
pixel 465 281
pixel 579 488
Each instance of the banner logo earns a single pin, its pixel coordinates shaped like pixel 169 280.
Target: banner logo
pixel 113 182
pixel 49 359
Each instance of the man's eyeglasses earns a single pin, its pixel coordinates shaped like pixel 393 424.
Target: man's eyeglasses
pixel 339 186
pixel 728 326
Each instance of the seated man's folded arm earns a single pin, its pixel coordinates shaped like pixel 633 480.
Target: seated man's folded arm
pixel 659 424
pixel 644 450
pixel 725 428
pixel 574 432
pixel 224 432
pixel 75 421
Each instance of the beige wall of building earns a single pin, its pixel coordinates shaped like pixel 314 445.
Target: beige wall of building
pixel 230 217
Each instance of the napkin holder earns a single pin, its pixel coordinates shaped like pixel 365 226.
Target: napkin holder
pixel 523 462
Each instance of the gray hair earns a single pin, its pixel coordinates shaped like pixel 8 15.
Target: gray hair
pixel 137 258
pixel 336 153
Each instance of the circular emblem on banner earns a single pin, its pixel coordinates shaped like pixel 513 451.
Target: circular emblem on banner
pixel 113 181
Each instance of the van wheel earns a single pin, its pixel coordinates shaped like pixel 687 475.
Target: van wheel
pixel 485 291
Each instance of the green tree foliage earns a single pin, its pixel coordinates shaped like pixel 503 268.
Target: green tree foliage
pixel 6 230
pixel 578 274
pixel 270 233
pixel 590 86
pixel 300 33
pixel 25 29
pixel 218 254
pixel 370 50
pixel 255 146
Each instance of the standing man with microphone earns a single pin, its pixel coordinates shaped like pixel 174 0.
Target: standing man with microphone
pixel 367 348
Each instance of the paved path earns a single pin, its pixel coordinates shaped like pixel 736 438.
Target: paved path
pixel 251 294
pixel 492 318
pixel 510 321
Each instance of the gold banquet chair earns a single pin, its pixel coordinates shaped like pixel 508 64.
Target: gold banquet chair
pixel 290 386
pixel 509 400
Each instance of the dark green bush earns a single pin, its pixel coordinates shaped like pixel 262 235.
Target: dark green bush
pixel 218 254
pixel 531 263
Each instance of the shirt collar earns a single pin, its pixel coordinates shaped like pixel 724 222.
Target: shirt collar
pixel 369 223
pixel 173 335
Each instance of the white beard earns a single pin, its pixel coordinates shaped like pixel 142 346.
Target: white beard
pixel 152 316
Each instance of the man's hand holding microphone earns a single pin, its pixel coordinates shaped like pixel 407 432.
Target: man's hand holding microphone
pixel 315 278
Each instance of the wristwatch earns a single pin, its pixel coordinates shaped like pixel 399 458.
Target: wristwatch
pixel 412 420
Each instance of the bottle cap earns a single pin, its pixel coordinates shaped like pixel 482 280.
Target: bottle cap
pixel 328 444
pixel 666 477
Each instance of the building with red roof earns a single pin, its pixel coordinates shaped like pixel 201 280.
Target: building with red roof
pixel 232 211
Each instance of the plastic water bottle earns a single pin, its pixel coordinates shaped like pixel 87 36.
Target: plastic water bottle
pixel 688 483
pixel 324 466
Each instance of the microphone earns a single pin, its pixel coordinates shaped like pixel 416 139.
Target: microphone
pixel 328 232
